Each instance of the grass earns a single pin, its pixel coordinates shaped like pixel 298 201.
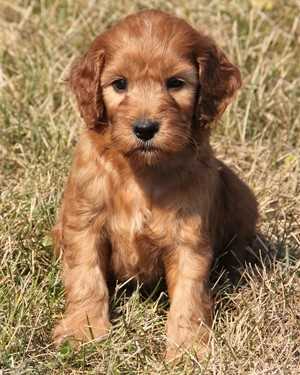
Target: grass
pixel 257 325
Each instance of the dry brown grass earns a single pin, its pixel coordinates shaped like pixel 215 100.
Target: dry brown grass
pixel 257 324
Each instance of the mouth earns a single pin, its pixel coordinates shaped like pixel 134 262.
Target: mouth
pixel 145 148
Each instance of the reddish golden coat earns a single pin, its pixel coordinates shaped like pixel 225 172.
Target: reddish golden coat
pixel 140 212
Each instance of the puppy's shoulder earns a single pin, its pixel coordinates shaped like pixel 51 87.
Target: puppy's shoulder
pixel 94 161
pixel 90 147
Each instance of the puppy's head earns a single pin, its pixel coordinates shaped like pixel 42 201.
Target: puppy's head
pixel 153 81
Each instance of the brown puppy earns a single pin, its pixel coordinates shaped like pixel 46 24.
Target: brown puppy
pixel 146 197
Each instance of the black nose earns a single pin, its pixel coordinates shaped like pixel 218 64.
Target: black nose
pixel 145 129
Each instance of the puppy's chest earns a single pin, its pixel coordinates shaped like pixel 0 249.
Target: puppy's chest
pixel 138 235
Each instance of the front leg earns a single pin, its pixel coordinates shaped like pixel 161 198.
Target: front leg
pixel 85 260
pixel 190 317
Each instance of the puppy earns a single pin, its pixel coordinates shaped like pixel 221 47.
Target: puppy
pixel 146 196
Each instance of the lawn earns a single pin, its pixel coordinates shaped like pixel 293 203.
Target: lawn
pixel 257 323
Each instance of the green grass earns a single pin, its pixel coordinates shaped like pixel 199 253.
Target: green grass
pixel 256 329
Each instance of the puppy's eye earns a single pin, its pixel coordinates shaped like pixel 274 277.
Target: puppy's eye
pixel 174 83
pixel 120 85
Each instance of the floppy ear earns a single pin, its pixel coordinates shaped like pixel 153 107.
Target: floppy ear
pixel 84 81
pixel 218 82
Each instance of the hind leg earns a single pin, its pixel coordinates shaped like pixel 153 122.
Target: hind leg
pixel 237 231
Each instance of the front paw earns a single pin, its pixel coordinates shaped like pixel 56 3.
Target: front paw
pixel 186 334
pixel 80 329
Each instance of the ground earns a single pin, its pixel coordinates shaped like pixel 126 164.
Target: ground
pixel 257 323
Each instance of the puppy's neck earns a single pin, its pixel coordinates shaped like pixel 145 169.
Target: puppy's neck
pixel 173 172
